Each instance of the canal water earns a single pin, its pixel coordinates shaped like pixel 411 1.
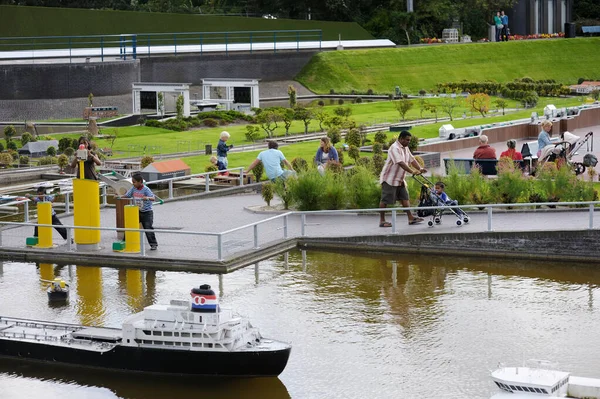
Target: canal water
pixel 361 326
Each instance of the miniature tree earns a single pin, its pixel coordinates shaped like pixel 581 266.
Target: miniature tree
pixel 63 161
pixel 179 107
pixel 479 102
pixel 51 151
pixel 9 133
pixel 501 103
pixel 267 191
pixel 403 106
pixel 448 104
pixel 90 100
pixel 305 115
pixel 146 160
pixel 292 93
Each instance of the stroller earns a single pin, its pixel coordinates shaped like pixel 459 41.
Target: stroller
pixel 429 197
pixel 566 149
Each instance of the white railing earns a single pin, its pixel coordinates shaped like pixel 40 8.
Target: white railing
pixel 258 234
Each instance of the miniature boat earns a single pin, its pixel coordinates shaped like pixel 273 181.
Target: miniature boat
pixel 517 382
pixel 184 337
pixel 58 290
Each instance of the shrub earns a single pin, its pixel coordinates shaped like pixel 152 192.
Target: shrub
pixel 51 151
pixel 210 122
pixel 23 160
pixel 381 137
pixel 282 189
pixel 267 192
pixel 335 167
pixel 340 102
pixel 299 164
pixel 510 186
pixel 69 151
pixel 14 154
pixel 353 137
pixel 45 161
pixel 377 149
pixel 6 159
pixel 422 92
pixel 335 189
pixel 258 171
pixel 365 192
pixel 26 138
pixel 308 190
pixel 1 147
pixel 141 120
pixel 64 143
pixel 331 91
pixel 62 161
pixel 354 153
pixel 365 162
pixel 153 123
pixel 370 92
pixel 146 160
pixel 378 163
pixel 334 134
pixel 358 100
pixel 11 145
pixel 321 103
pixel 340 152
pixel 211 168
pixel 413 144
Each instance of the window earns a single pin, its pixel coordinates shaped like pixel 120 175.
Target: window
pixel 544 391
pixel 168 334
pixel 185 334
pixel 197 335
pixel 156 333
pixel 185 343
pixel 538 390
pixel 519 388
pixel 176 334
pixel 513 388
pixel 147 332
pixel 168 343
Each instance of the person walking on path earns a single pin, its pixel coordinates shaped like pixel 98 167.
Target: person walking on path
pixel 484 151
pixel 143 198
pixel 223 148
pixel 393 185
pixel 499 26
pixel 89 165
pixel 42 197
pixel 504 32
pixel 272 159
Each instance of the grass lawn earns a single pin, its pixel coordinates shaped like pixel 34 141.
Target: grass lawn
pixel 422 67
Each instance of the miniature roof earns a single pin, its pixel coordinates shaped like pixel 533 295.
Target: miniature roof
pixel 172 165
pixel 39 146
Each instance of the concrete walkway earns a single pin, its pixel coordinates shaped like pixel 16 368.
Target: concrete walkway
pixel 217 215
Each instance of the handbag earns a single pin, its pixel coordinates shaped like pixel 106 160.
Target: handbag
pixel 499 26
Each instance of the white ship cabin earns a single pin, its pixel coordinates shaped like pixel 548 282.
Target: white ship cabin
pixel 175 326
pixel 532 380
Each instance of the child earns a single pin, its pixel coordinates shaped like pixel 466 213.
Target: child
pixel 223 148
pixel 442 197
pixel 42 197
pixel 143 198
pixel 220 166
pixel 89 165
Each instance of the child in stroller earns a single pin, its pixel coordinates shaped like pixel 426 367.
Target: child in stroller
pixel 563 152
pixel 434 195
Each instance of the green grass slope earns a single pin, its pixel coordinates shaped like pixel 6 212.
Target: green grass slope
pixel 422 67
pixel 48 21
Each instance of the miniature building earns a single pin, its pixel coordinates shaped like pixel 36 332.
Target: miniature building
pixel 450 35
pixel 165 170
pixel 37 148
pixel 100 112
pixel 586 87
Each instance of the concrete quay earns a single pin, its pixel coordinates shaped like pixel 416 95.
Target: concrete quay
pixel 561 234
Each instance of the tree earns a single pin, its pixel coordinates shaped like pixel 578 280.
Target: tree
pixel 334 135
pixel 321 116
pixel 380 137
pixel 292 94
pixel 479 102
pixel 64 143
pixel 252 133
pixel 9 133
pixel 287 116
pixel 305 115
pixel 353 137
pixel 403 106
pixel 160 102
pixel 501 103
pixel 179 107
pixel 343 112
pixel 268 119
pixel 113 137
pixel 146 160
pixel 26 138
pixel 448 104
pixel 90 100
pixel 63 161
pixel 51 151
pixel 433 108
pixel 595 94
pixel 6 159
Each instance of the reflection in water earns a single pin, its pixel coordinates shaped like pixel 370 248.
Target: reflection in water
pixel 77 383
pixel 89 291
pixel 410 326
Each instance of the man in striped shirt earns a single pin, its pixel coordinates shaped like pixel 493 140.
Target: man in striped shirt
pixel 393 186
pixel 143 197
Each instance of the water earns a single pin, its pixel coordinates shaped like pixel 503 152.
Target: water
pixel 361 326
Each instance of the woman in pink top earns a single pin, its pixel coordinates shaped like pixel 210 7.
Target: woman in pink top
pixel 512 153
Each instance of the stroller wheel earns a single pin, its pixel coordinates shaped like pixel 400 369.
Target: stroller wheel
pixel 466 220
pixel 458 222
pixel 430 223
pixel 438 220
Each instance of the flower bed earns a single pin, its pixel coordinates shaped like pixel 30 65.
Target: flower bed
pixel 537 36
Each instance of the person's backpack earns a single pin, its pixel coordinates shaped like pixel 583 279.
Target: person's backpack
pixel 425 200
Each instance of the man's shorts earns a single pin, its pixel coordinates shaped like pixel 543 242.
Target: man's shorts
pixel 391 194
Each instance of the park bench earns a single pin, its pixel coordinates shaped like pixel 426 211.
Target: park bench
pixel 488 167
pixel 590 29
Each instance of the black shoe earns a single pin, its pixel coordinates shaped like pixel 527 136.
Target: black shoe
pixel 153 247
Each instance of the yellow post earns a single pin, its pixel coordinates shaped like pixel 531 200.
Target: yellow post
pixel 81 171
pixel 87 211
pixel 46 272
pixel 90 301
pixel 44 210
pixel 132 221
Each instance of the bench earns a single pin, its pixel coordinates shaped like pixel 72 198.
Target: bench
pixel 590 29
pixel 488 167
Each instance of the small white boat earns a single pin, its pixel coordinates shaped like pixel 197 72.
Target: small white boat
pixel 543 380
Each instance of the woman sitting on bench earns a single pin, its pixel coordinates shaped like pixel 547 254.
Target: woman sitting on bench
pixel 511 152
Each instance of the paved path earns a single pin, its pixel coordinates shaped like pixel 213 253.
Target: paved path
pixel 216 215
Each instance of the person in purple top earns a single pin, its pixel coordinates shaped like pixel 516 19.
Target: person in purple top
pixel 143 198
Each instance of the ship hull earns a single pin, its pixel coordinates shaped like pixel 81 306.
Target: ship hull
pixel 261 363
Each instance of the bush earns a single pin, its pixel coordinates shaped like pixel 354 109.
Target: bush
pixel 377 149
pixel 62 161
pixel 331 91
pixel 267 192
pixel 370 92
pixel 340 101
pixel 358 100
pixel 153 123
pixel 282 189
pixel 6 159
pixel 365 192
pixel 321 103
pixel 26 138
pixel 307 191
pixel 45 161
pixel 23 160
pixel 211 168
pixel 210 122
pixel 422 92
pixel 1 147
pixel 11 145
pixel 365 162
pixel 51 151
pixel 381 137
pixel 378 163
pixel 335 189
pixel 299 164
pixel 258 171
pixel 69 151
pixel 14 154
pixel 141 120
pixel 354 153
pixel 413 144
pixel 146 160
pixel 340 152
pixel 334 167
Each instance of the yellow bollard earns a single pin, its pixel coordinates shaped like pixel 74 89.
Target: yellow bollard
pixel 46 272
pixel 86 211
pixel 44 210
pixel 132 221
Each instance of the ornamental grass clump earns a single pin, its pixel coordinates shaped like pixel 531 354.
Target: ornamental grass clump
pixel 282 190
pixel 307 190
pixel 364 189
pixel 335 191
pixel 511 186
pixel 267 192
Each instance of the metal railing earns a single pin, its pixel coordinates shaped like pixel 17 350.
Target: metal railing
pixel 218 248
pixel 130 46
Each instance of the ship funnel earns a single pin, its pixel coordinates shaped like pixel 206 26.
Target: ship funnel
pixel 204 299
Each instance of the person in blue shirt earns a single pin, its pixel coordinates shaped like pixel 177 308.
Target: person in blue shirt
pixel 220 166
pixel 42 197
pixel 441 198
pixel 544 136
pixel 504 32
pixel 143 197
pixel 223 148
pixel 325 153
pixel 272 159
